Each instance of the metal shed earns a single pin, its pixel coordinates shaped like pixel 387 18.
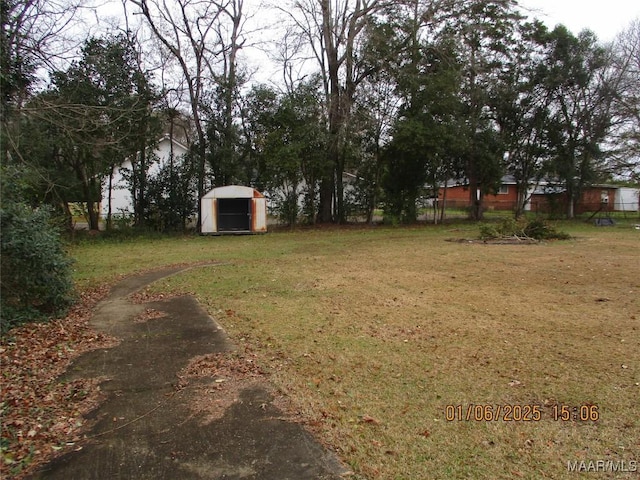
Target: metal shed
pixel 233 209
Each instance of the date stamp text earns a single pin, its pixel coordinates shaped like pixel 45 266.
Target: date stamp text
pixel 520 413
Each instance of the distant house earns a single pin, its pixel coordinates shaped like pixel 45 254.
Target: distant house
pixel 116 192
pixel 545 197
pixel 505 198
pixel 594 198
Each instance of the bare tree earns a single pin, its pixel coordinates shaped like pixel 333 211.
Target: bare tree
pixel 288 50
pixel 35 35
pixel 625 140
pixel 194 32
pixel 230 39
pixel 334 31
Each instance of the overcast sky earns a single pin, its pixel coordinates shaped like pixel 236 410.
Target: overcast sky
pixel 606 18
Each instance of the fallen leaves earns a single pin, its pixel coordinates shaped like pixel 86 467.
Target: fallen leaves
pixel 371 420
pixel 42 416
pixel 147 295
pixel 222 365
pixel 149 314
pixel 216 380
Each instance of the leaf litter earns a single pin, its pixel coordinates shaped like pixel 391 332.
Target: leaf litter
pixel 43 417
pixel 218 379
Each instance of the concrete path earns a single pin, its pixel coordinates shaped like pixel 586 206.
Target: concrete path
pixel 145 428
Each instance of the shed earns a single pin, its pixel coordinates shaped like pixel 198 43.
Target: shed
pixel 233 209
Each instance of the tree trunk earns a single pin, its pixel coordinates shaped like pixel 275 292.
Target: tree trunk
pixel 571 209
pixel 92 213
pixel 341 214
pixel 68 216
pixel 376 182
pixel 88 184
pixel 110 193
pixel 521 199
pixel 325 213
pixel 571 200
pixel 140 206
pixel 475 200
pixel 444 202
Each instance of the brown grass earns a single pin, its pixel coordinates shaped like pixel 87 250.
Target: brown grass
pixel 373 333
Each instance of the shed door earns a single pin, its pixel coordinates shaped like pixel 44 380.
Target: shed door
pixel 234 214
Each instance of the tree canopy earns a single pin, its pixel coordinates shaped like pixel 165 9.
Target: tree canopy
pixel 392 100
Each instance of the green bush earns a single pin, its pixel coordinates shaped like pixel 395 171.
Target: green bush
pixel 36 280
pixel 286 208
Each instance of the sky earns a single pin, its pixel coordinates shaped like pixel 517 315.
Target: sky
pixel 606 18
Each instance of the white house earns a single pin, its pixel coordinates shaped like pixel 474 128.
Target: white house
pixel 116 193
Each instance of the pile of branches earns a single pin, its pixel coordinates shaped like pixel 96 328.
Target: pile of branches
pixel 510 229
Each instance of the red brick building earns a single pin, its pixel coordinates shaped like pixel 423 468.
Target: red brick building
pixel 458 196
pixel 593 198
pixel 545 198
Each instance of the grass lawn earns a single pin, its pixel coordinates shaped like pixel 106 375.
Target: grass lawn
pixel 378 335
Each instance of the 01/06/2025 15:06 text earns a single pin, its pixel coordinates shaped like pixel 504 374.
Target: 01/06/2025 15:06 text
pixel 520 413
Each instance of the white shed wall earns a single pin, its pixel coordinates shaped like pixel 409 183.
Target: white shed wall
pixel 208 214
pixel 260 214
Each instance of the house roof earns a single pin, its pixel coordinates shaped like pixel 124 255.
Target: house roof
pixel 463 182
pixel 541 186
pixel 167 138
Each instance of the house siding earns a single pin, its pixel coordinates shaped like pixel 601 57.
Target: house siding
pixel 120 194
pixel 627 199
pixel 458 197
pixel 593 198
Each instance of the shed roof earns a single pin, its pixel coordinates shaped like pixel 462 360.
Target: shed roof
pixel 233 191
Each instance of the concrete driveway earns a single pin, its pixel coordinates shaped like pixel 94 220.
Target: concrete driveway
pixel 147 427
